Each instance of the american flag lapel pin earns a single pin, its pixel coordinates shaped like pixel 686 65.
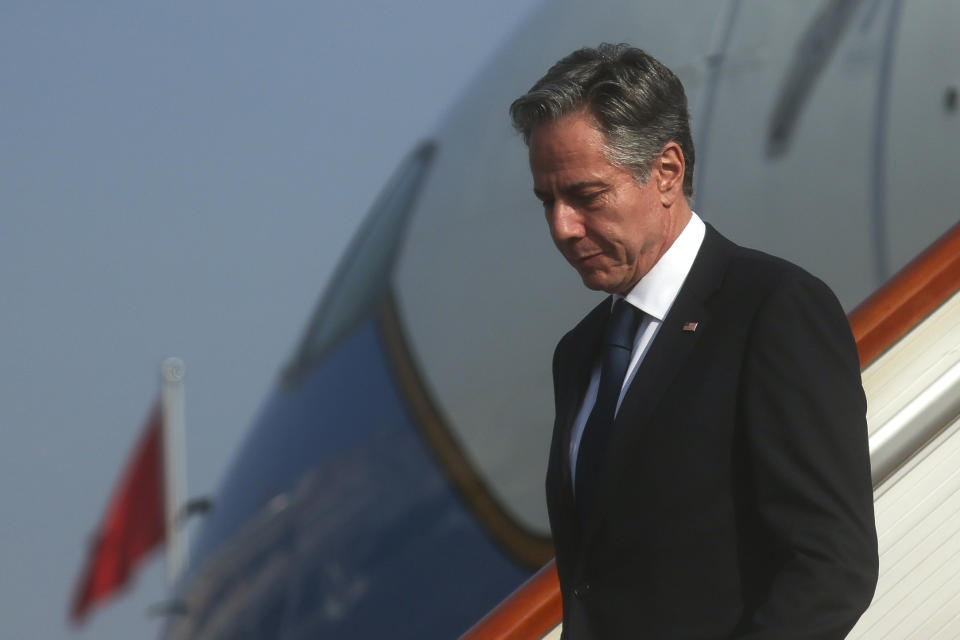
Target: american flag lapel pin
pixel 690 327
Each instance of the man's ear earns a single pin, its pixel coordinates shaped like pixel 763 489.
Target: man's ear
pixel 668 170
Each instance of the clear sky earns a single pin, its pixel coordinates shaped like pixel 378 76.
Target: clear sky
pixel 180 178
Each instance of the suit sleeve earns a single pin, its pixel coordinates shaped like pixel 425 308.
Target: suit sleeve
pixel 804 421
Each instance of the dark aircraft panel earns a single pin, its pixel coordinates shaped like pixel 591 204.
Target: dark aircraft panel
pixel 336 522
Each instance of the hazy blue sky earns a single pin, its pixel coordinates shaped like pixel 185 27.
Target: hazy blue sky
pixel 180 179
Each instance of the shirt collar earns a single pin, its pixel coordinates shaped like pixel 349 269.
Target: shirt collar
pixel 655 292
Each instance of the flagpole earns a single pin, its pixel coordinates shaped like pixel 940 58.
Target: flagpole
pixel 171 392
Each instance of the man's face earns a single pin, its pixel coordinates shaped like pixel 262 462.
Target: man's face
pixel 611 228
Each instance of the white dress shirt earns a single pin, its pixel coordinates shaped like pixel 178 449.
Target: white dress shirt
pixel 653 295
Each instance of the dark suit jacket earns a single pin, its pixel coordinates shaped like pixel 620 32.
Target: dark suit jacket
pixel 735 498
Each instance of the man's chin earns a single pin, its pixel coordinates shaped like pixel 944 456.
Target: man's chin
pixel 615 282
pixel 596 282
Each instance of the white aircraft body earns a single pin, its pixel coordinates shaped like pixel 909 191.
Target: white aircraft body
pixel 393 484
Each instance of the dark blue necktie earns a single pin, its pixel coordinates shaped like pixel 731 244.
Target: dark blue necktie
pixel 617 347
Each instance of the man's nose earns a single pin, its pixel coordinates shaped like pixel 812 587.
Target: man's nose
pixel 565 222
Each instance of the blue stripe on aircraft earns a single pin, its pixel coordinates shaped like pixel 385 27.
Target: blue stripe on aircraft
pixel 370 538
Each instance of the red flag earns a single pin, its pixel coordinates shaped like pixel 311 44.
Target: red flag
pixel 133 525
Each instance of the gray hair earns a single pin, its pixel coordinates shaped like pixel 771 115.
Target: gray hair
pixel 638 103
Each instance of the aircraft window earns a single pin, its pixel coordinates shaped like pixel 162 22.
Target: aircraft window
pixel 362 276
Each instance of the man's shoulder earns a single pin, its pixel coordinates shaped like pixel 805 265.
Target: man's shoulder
pixel 773 295
pixel 758 273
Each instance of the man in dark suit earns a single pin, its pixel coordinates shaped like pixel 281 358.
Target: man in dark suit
pixel 709 475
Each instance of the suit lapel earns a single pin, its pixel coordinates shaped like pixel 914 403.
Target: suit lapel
pixel 576 355
pixel 578 359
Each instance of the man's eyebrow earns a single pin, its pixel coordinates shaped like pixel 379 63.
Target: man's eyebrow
pixel 580 186
pixel 574 188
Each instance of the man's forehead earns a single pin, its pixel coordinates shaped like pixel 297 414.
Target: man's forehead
pixel 569 144
pixel 569 155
